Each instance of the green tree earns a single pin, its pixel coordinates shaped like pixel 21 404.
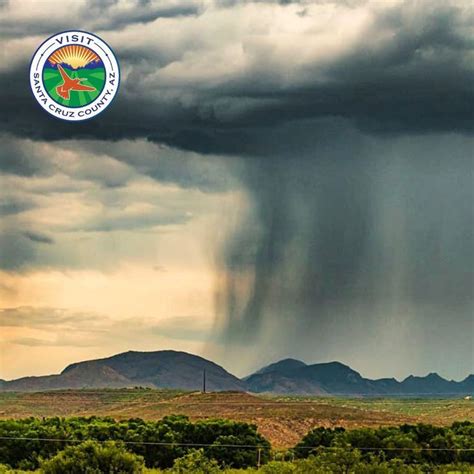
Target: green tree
pixel 317 437
pixel 196 462
pixel 340 460
pixel 92 457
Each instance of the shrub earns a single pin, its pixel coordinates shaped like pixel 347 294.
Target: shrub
pixel 278 467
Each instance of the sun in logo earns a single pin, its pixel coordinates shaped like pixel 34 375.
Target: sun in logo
pixel 74 75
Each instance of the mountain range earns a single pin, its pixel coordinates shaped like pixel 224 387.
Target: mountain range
pixel 180 370
pixel 291 376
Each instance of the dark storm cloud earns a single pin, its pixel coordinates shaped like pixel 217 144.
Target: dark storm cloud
pixel 417 80
pixel 139 11
pixel 355 247
pixel 98 15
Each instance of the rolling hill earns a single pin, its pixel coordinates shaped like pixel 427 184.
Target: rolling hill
pixel 180 370
pixel 161 369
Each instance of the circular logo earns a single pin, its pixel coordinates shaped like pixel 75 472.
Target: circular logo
pixel 74 75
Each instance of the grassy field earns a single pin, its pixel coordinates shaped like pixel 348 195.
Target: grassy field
pixel 52 78
pixel 283 420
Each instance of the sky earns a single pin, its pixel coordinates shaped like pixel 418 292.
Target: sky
pixel 273 179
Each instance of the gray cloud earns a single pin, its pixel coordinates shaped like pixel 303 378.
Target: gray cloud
pixel 114 164
pixel 93 329
pixel 110 188
pixel 23 158
pixel 43 317
pixel 16 250
pixel 81 216
pixel 38 237
pixel 92 15
pixel 164 164
pixel 10 205
pixel 23 250
pixel 36 342
pixel 133 222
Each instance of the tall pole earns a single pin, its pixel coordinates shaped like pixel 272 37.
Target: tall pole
pixel 204 381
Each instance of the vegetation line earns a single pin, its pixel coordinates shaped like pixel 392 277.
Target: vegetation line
pixel 237 446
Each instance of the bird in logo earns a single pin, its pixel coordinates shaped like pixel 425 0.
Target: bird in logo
pixel 71 84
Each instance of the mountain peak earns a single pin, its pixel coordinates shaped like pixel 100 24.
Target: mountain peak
pixel 432 376
pixel 334 363
pixel 159 369
pixel 282 367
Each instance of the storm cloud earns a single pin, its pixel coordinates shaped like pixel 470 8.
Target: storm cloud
pixel 348 124
pixel 219 80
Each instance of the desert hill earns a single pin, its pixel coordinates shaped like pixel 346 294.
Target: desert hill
pixel 180 370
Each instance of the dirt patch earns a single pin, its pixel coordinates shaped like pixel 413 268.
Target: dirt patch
pixel 283 421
